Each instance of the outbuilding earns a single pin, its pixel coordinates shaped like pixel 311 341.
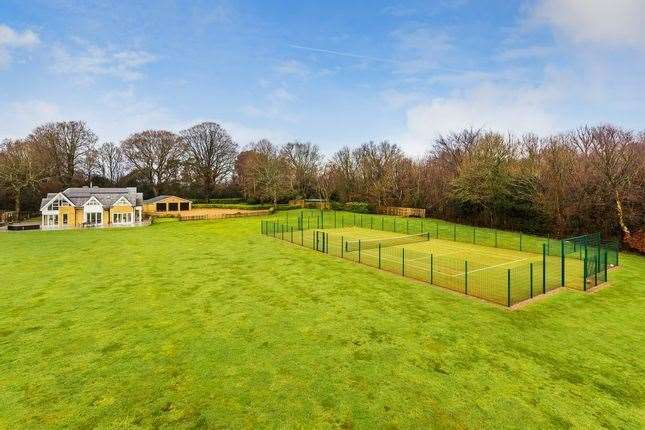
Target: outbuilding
pixel 166 204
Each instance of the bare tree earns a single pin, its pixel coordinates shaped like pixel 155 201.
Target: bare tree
pixel 302 160
pixel 345 170
pixel 244 175
pixel 377 167
pixel 326 181
pixel 156 154
pixel 614 155
pixel 21 168
pixel 212 153
pixel 110 159
pixel 66 144
pixel 90 165
pixel 269 170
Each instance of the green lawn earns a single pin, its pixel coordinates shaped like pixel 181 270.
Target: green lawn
pixel 210 324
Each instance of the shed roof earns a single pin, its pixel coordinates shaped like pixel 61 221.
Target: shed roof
pixel 161 198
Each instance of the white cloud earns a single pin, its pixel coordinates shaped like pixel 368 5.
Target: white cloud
pixel 244 134
pixel 89 61
pixel 505 108
pixel 616 23
pixel 11 39
pixel 275 105
pixel 19 118
pixel 293 68
pixel 422 49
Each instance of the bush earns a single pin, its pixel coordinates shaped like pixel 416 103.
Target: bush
pixel 228 200
pixel 358 207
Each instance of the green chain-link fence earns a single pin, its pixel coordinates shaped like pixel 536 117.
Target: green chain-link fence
pixel 580 262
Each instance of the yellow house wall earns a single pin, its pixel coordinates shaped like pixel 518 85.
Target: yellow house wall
pixel 71 216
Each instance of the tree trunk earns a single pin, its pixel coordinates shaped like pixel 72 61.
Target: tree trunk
pixel 17 204
pixel 621 220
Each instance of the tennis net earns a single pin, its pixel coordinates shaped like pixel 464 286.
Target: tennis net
pixel 361 244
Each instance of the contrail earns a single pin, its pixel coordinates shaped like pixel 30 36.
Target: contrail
pixel 344 54
pixel 403 63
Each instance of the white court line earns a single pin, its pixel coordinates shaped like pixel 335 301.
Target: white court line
pixel 458 274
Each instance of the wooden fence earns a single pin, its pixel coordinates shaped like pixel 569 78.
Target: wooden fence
pixel 207 216
pixel 402 212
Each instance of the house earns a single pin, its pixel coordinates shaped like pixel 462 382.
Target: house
pixel 166 204
pixel 92 207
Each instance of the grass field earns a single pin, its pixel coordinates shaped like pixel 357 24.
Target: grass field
pixel 210 324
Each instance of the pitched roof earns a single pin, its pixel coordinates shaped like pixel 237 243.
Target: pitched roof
pixel 160 198
pixel 106 196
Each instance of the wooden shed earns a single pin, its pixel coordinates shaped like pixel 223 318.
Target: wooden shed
pixel 166 204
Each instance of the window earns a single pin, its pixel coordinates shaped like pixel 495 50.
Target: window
pixel 93 218
pixel 161 207
pixel 184 206
pixel 64 218
pixel 173 207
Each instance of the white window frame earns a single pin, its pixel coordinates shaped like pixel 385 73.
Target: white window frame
pixel 92 206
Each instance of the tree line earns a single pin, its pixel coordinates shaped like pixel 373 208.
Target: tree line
pixel 588 179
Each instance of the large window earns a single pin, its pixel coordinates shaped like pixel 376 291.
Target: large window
pixel 161 207
pixel 184 206
pixel 122 218
pixel 93 218
pixel 173 207
pixel 65 219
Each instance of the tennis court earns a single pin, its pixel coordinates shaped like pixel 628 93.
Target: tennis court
pixel 502 267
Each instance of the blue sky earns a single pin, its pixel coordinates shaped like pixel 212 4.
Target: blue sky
pixel 334 72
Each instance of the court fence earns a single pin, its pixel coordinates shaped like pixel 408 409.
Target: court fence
pixel 580 262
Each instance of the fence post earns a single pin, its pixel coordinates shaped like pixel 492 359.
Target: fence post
pixel 466 277
pixel 314 238
pixel 520 240
pixel 354 222
pixel 531 281
pixel 342 246
pixel 402 261
pixel 361 220
pixel 495 238
pixel 334 219
pixel 562 258
pixel 437 231
pixel 395 225
pixel 585 271
pixel 282 231
pixel 543 268
pixel 302 238
pixel 371 222
pixel 431 268
pixel 508 287
pixel 454 232
pixel 322 219
pixel 474 230
pixel 291 234
pixel 382 223
pixel 597 265
pixel 379 255
pixel 606 264
pixel 359 250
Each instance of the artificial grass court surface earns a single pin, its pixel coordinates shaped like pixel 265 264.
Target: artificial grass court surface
pixel 210 324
